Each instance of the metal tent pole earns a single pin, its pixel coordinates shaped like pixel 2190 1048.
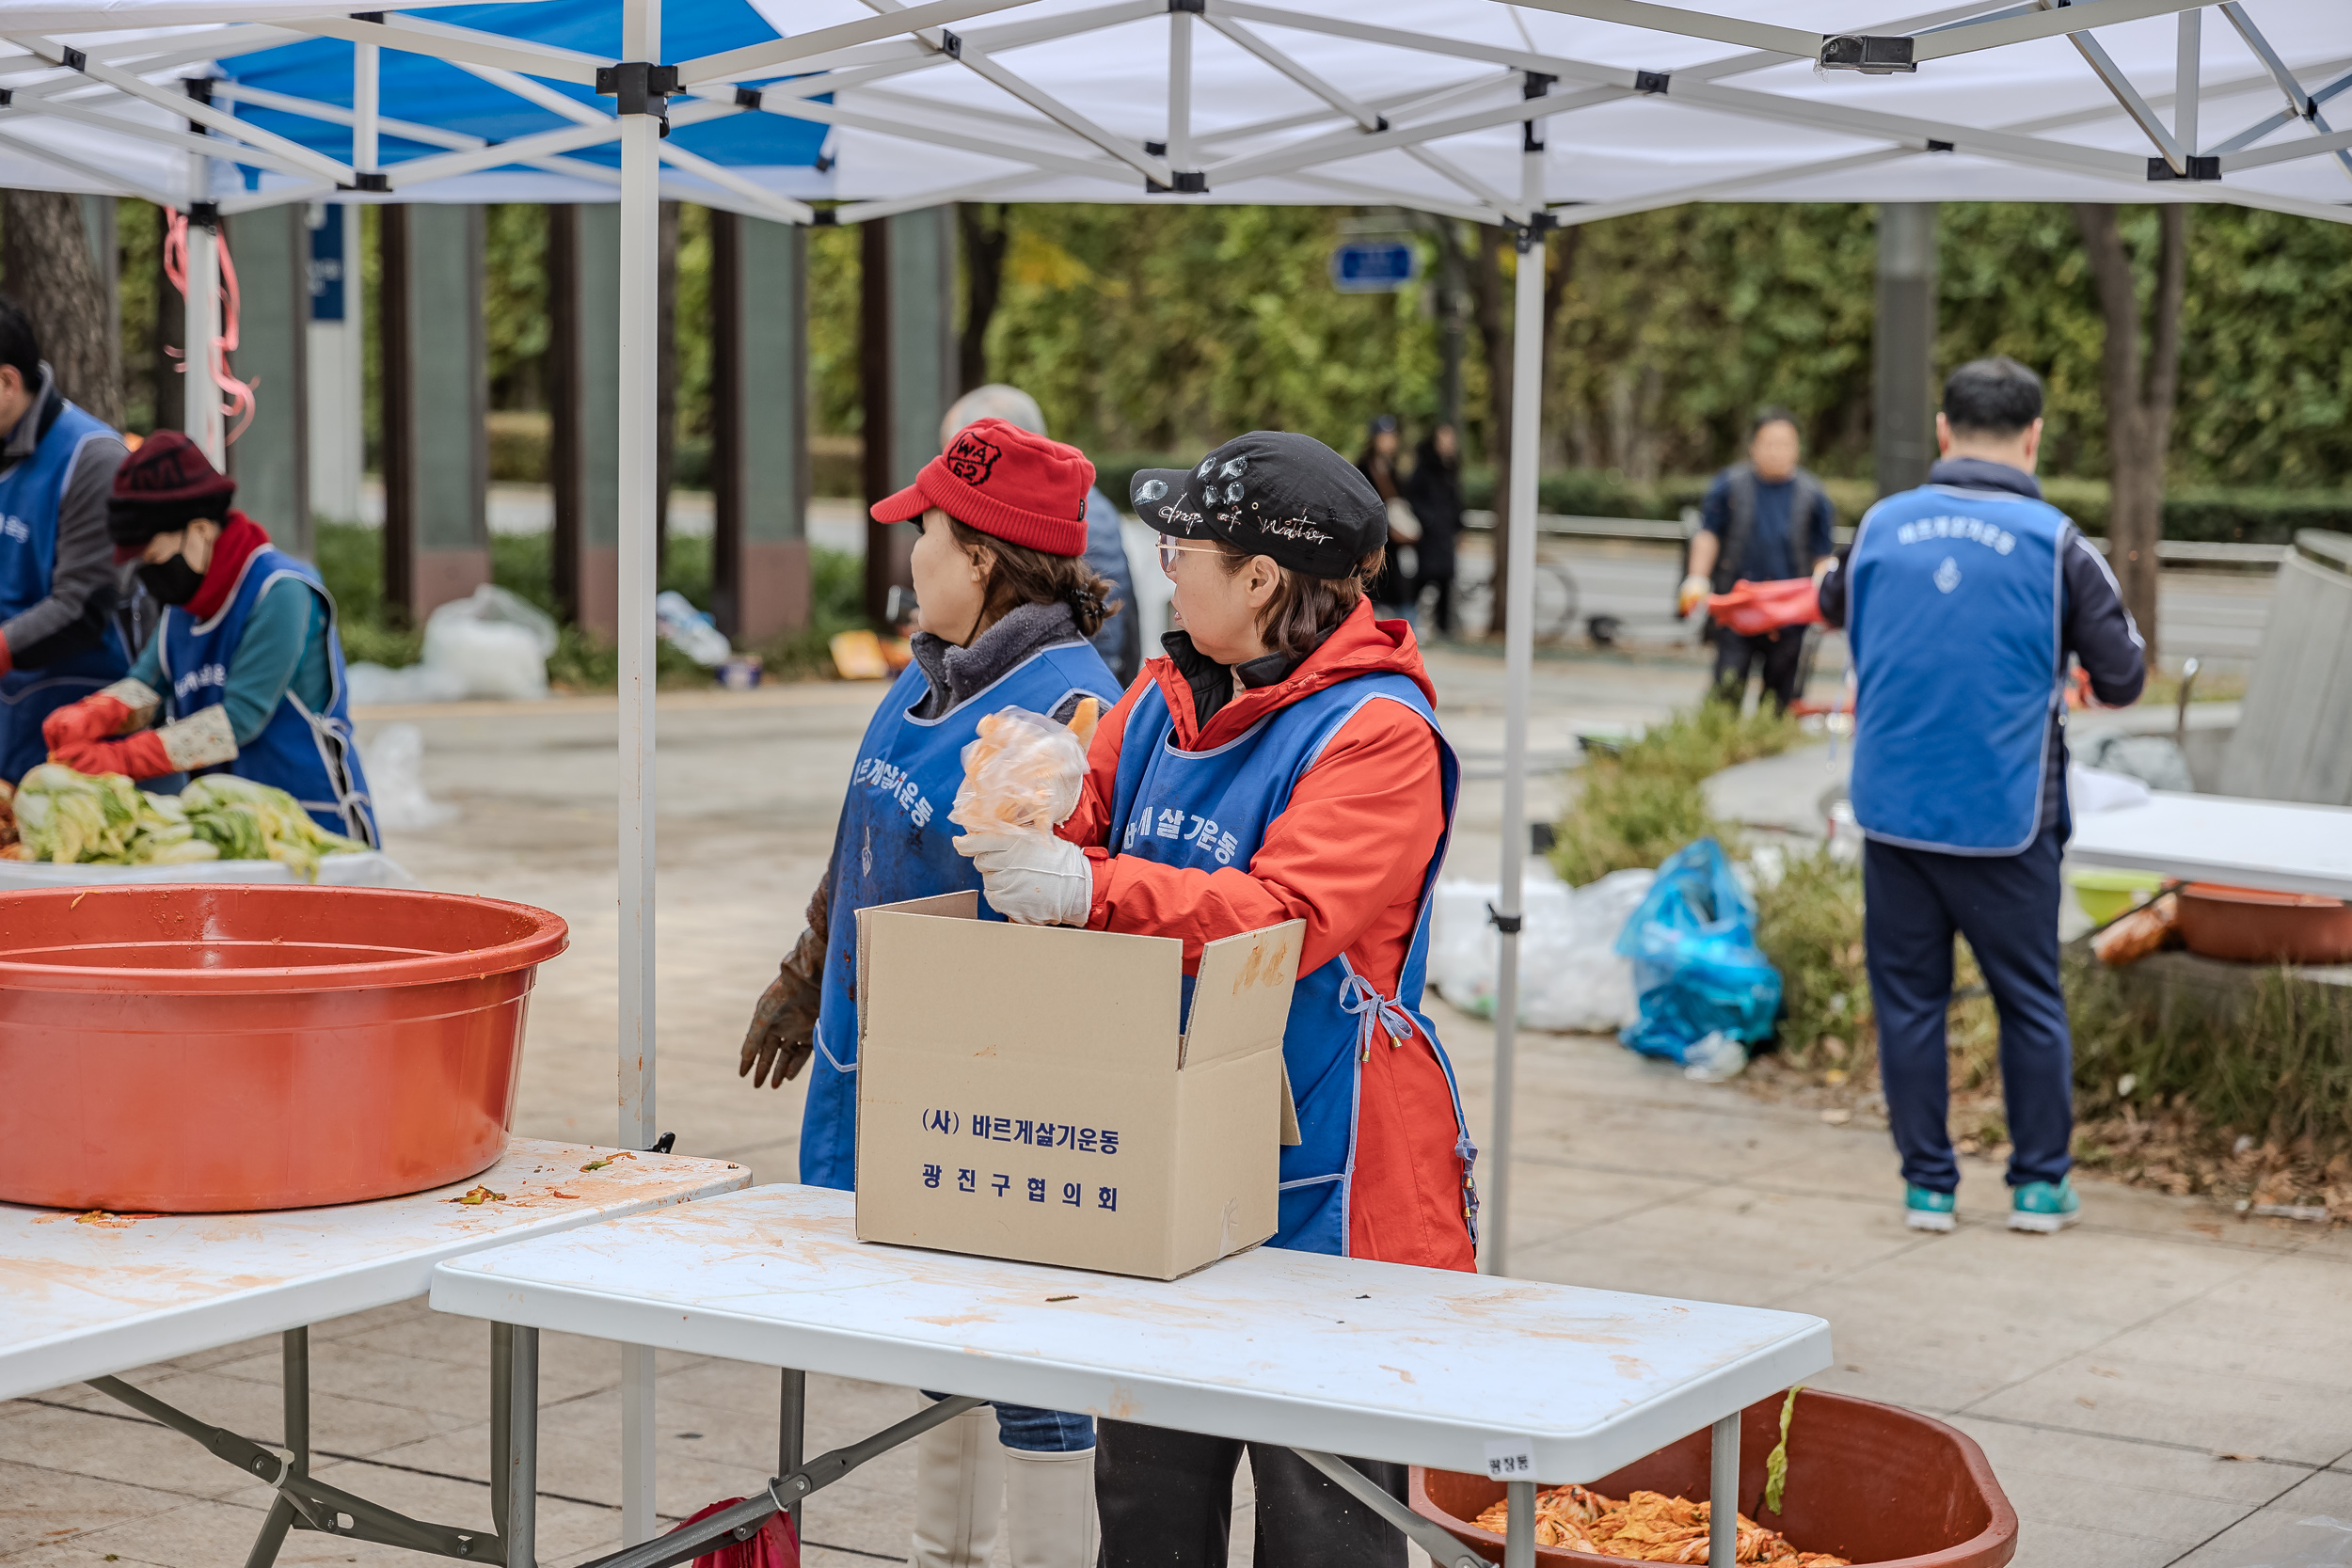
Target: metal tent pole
pixel 641 130
pixel 201 416
pixel 1527 391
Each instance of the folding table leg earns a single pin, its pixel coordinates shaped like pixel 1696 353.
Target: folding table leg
pixel 1519 1537
pixel 1723 1523
pixel 791 1427
pixel 517 1501
pixel 295 1350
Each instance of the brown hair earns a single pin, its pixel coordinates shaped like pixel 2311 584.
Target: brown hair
pixel 1026 576
pixel 1304 610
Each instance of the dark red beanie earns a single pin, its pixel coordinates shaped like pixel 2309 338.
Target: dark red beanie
pixel 163 487
pixel 1013 485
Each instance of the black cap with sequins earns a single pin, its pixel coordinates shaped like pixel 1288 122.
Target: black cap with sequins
pixel 1272 493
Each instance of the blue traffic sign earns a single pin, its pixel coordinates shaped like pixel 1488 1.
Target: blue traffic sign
pixel 1375 266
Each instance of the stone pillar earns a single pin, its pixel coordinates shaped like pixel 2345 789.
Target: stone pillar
pixel 760 416
pixel 908 366
pixel 1902 355
pixel 583 399
pixel 437 457
pixel 338 358
pixel 271 249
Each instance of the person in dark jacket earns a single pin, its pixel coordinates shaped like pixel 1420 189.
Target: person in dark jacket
pixel 1392 591
pixel 1435 493
pixel 1765 520
pixel 1963 602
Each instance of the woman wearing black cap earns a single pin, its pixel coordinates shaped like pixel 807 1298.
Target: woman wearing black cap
pixel 245 673
pixel 1282 762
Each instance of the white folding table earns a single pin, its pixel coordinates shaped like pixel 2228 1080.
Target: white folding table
pixel 1327 1355
pixel 86 1297
pixel 2275 845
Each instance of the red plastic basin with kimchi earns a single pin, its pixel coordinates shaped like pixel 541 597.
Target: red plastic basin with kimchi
pixel 199 1048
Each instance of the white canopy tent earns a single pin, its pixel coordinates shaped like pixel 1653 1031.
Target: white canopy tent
pixel 1534 114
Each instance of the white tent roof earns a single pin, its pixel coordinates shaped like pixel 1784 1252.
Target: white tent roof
pixel 1412 102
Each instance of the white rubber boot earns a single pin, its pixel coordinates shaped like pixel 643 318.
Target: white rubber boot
pixel 1049 1508
pixel 958 1487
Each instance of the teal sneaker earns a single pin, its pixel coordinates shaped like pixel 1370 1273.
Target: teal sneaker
pixel 2045 1207
pixel 1927 1210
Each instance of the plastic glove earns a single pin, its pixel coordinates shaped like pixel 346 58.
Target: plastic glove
pixel 1033 879
pixel 1694 593
pixel 141 756
pixel 91 719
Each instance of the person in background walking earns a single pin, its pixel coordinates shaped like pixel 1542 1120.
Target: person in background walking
pixel 1962 601
pixel 58 640
pixel 1392 591
pixel 1765 520
pixel 1435 492
pixel 1120 639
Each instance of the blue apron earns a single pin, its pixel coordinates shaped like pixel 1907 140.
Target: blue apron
pixel 1954 598
pixel 29 494
pixel 895 843
pixel 1210 808
pixel 312 756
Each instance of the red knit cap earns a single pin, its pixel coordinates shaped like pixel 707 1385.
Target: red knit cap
pixel 163 487
pixel 1010 484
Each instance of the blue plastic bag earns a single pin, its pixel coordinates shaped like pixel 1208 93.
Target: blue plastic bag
pixel 1697 968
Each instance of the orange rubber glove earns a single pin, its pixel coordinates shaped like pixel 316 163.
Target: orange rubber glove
pixel 91 719
pixel 141 755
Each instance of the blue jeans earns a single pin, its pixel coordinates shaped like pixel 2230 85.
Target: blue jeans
pixel 2007 906
pixel 1039 1430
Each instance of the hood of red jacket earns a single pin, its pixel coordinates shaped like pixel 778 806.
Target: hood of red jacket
pixel 1360 646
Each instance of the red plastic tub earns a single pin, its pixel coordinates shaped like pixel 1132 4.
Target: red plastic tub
pixel 2248 926
pixel 201 1049
pixel 1869 1482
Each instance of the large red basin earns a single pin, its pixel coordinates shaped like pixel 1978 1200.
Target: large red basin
pixel 199 1048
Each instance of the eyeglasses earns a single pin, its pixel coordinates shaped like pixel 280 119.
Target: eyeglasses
pixel 1171 549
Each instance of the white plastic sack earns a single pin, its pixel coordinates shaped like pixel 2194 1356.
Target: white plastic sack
pixel 688 630
pixel 394 759
pixel 496 644
pixel 380 684
pixel 1571 976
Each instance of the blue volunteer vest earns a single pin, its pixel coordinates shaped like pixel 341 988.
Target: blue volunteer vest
pixel 312 756
pixel 1953 603
pixel 895 843
pixel 29 494
pixel 1210 809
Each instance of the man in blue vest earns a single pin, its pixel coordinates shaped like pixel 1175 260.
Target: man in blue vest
pixel 57 637
pixel 1764 520
pixel 1963 602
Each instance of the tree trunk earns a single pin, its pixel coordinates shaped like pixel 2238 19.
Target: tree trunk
pixel 987 232
pixel 50 273
pixel 665 376
pixel 2141 388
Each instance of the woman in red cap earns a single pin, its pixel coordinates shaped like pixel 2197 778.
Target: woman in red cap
pixel 245 673
pixel 1005 605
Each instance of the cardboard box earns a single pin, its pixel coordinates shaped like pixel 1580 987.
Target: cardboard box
pixel 1026 1091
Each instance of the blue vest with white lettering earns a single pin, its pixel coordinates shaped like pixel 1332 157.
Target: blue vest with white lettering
pixel 895 843
pixel 29 494
pixel 1953 603
pixel 309 755
pixel 1210 809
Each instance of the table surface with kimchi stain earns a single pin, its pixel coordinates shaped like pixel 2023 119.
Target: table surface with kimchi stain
pixel 91 1295
pixel 1369 1360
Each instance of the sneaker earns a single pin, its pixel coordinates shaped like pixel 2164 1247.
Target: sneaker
pixel 2045 1207
pixel 1927 1210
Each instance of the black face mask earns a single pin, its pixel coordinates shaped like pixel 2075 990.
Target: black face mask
pixel 172 581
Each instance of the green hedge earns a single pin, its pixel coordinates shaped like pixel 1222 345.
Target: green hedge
pixel 2207 515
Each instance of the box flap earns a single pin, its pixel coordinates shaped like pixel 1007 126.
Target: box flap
pixel 961 987
pixel 1241 998
pixel 952 906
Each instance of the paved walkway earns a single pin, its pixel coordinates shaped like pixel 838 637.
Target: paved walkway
pixel 2161 1385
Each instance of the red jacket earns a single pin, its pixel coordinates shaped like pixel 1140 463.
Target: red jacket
pixel 1347 856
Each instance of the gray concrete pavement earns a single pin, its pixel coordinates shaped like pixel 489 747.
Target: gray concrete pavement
pixel 2161 1385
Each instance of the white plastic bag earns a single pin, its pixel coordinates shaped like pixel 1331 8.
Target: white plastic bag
pixel 1571 974
pixel 495 643
pixel 1021 776
pixel 374 684
pixel 394 759
pixel 688 630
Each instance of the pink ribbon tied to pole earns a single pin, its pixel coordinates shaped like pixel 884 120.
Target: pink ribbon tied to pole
pixel 239 408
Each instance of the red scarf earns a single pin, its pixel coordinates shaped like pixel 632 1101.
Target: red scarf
pixel 231 551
